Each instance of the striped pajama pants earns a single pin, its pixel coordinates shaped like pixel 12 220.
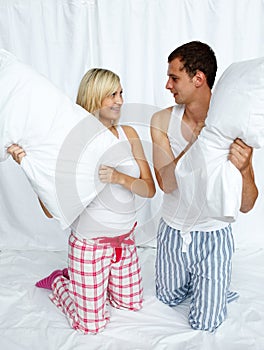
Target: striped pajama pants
pixel 98 273
pixel 202 273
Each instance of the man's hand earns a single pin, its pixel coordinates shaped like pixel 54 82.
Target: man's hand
pixel 240 155
pixel 196 131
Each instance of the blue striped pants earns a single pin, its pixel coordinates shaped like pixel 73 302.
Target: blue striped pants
pixel 202 273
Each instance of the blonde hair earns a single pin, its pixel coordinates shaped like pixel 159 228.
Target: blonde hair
pixel 95 86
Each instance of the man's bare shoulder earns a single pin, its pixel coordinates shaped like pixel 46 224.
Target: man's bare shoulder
pixel 161 119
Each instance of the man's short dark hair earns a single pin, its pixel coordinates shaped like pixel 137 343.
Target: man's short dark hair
pixel 195 56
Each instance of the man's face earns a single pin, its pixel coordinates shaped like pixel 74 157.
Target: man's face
pixel 179 83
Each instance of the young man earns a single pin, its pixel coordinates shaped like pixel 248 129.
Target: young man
pixel 197 265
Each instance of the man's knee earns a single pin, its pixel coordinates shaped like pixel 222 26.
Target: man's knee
pixel 206 320
pixel 205 327
pixel 169 298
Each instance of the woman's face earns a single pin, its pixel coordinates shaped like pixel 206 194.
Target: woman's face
pixel 111 106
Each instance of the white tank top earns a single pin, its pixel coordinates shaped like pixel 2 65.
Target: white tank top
pixel 174 211
pixel 112 212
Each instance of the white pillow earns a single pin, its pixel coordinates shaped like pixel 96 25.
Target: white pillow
pixel 209 183
pixel 63 142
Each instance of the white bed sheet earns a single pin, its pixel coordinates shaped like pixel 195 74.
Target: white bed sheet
pixel 29 321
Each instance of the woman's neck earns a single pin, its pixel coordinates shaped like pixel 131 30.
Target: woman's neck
pixel 109 124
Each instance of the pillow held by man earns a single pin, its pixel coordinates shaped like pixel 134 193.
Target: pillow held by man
pixel 209 183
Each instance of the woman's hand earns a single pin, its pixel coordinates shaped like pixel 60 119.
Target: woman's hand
pixel 16 152
pixel 108 174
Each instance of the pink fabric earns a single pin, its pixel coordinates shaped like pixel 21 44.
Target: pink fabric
pixel 98 273
pixel 118 240
pixel 47 281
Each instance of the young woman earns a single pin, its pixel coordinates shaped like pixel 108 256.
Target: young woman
pixel 103 264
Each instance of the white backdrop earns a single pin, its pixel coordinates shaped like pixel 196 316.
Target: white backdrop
pixel 62 39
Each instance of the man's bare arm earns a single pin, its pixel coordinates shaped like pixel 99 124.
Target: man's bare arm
pixel 241 156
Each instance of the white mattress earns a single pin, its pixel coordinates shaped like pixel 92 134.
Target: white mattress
pixel 30 321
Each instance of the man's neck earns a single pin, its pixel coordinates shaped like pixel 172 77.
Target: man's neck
pixel 196 111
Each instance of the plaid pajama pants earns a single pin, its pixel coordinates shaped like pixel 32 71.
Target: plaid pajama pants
pixel 100 271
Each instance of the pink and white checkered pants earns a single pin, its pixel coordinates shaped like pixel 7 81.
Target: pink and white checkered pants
pixel 100 270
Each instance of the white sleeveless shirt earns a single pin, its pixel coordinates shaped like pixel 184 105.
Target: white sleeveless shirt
pixel 112 212
pixel 174 211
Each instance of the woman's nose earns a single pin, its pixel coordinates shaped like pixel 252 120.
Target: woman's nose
pixel 119 100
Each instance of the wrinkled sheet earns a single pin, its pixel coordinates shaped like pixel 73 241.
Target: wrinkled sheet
pixel 30 321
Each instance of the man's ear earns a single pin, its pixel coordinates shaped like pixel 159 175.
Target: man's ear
pixel 199 79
